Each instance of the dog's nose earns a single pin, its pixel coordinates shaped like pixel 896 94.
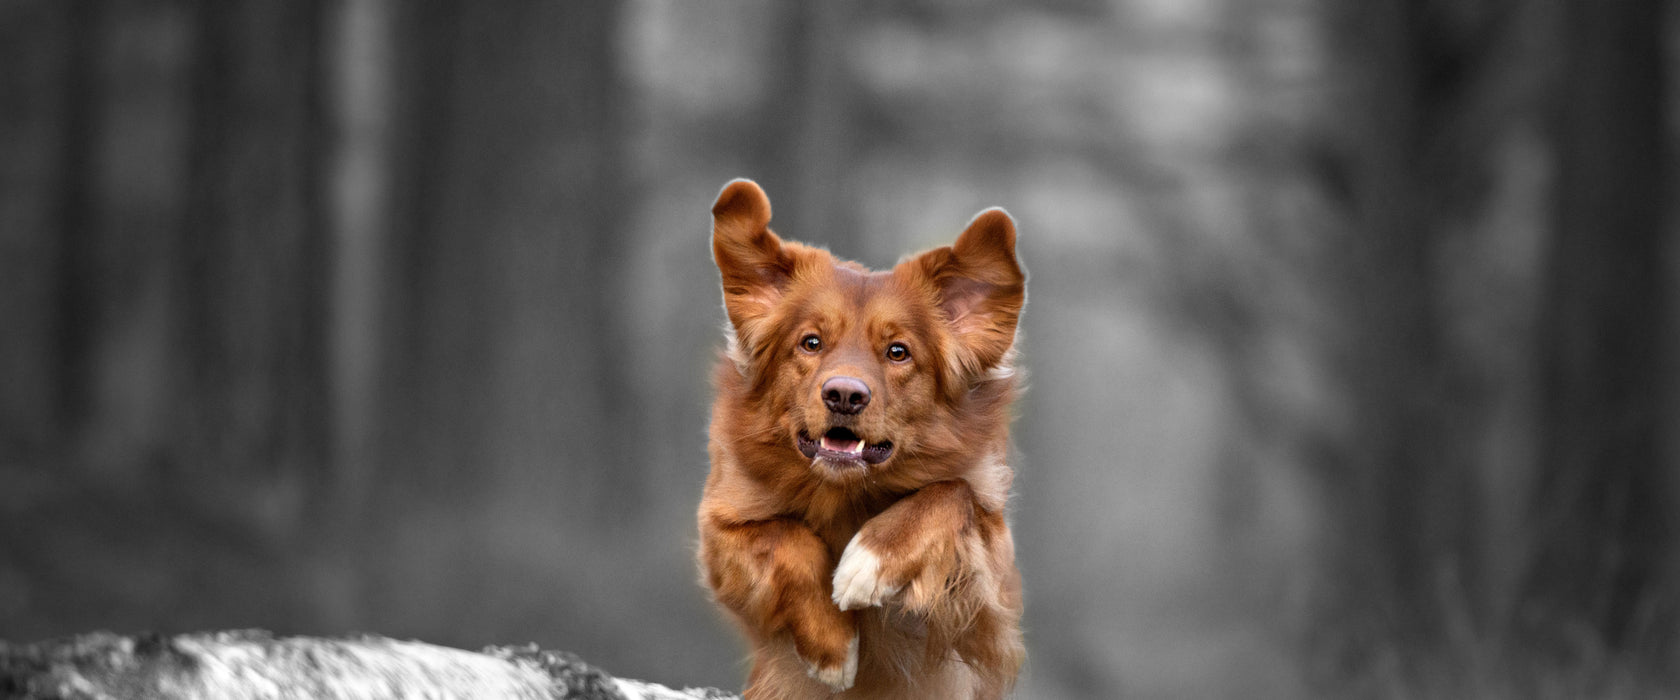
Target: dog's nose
pixel 847 395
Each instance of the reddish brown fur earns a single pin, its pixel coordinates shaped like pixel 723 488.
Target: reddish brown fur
pixel 774 523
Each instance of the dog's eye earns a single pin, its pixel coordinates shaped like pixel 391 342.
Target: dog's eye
pixel 897 352
pixel 811 343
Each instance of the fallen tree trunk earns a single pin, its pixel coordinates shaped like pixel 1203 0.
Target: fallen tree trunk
pixel 253 665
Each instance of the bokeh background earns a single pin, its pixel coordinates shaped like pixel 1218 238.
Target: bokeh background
pixel 1350 335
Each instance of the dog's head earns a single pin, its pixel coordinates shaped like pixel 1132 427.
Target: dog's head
pixel 859 370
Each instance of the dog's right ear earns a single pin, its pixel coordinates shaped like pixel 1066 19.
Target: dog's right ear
pixel 754 265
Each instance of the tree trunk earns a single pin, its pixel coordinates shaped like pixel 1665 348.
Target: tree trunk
pixel 506 248
pixel 801 141
pixel 506 280
pixel 1400 488
pixel 1604 514
pixel 254 270
pixel 44 142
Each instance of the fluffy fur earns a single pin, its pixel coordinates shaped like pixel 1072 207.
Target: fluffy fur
pixel 858 535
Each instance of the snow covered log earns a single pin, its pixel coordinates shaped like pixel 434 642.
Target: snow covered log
pixel 257 665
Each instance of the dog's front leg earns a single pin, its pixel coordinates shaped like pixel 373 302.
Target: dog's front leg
pixel 774 575
pixel 939 554
pixel 925 545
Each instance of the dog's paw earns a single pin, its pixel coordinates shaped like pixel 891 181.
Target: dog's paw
pixel 838 676
pixel 858 579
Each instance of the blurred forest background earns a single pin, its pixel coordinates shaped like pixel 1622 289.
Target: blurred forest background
pixel 1350 334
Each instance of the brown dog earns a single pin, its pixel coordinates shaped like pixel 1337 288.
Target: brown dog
pixel 853 522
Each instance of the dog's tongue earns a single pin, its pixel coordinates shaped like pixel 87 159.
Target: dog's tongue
pixel 841 444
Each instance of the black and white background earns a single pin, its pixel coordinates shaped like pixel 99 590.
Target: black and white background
pixel 1350 338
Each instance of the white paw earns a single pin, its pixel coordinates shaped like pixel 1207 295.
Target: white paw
pixel 857 579
pixel 838 678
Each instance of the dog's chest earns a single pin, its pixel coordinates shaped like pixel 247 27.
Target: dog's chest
pixel 836 521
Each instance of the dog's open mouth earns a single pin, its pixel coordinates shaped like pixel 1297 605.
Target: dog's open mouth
pixel 844 445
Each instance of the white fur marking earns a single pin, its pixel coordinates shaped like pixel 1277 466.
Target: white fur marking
pixel 841 678
pixel 735 352
pixel 1005 367
pixel 857 578
pixel 991 484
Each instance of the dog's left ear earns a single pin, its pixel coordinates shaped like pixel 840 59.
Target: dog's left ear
pixel 981 289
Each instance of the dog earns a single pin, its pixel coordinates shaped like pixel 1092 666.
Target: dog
pixel 854 520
